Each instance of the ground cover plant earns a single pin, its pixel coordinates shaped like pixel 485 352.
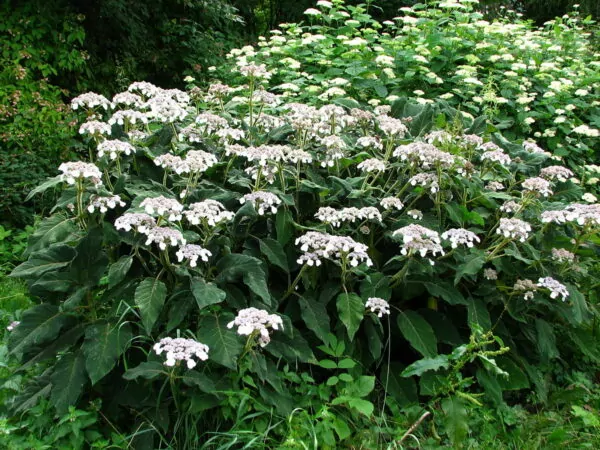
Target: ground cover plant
pixel 234 268
pixel 528 82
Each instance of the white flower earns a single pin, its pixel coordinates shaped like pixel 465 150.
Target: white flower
pixel 460 236
pixel 559 173
pixel 490 274
pixel 128 116
pixel 164 236
pixel 139 222
pixel 180 349
pixel 264 202
pixel 90 100
pixel 514 229
pixel 115 148
pixel 415 214
pixel 95 128
pixel 588 197
pixel 14 324
pixel 372 165
pixel 104 203
pixel 317 246
pixel 562 255
pixel 162 206
pixel 256 321
pixel 556 288
pixel 526 286
pixel 538 186
pixel 419 239
pixel 336 217
pixel 77 170
pixel 312 12
pixel 192 252
pixel 209 211
pixel 391 202
pixel 378 306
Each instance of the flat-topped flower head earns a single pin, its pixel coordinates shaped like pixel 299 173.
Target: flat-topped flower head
pixel 490 274
pixel 497 156
pixel 419 239
pixel 253 321
pixel 556 289
pixel 576 213
pixel 90 100
pixel 164 236
pixel 208 211
pixel 538 186
pixel 391 127
pixel 163 206
pixel 264 202
pixel 139 222
pixel 388 203
pixel 115 148
pixel 317 246
pixel 514 229
pixel 425 156
pixel 199 161
pixel 460 236
pixel 128 116
pixel 336 216
pixel 192 253
pixel 95 128
pixel 172 162
pixel 425 179
pixel 556 173
pixel 145 88
pixel 562 255
pixel 103 204
pixel 372 165
pixel 78 170
pixel 527 287
pixel 378 306
pixel 180 349
pixel 128 99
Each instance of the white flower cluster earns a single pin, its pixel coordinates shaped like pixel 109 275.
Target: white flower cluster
pixel 369 142
pixel 425 179
pixel 388 203
pixel 191 253
pixel 556 288
pixel 335 217
pixel 510 207
pixel 460 236
pixel 128 116
pixel 514 229
pixel 198 161
pixel 104 203
pixel 78 170
pixel 90 100
pixel 127 99
pixel 559 173
pixel 145 88
pixel 95 128
pixel 264 202
pixel 164 236
pixel 562 255
pixel 575 213
pixel 296 155
pixel 415 214
pixel 255 71
pixel 378 306
pixel 163 108
pixel 211 122
pixel 419 239
pixel 494 186
pixel 317 246
pixel 180 349
pixel 496 155
pixel 11 326
pixel 372 165
pixel 335 146
pixel 490 274
pixel 172 162
pixel 142 223
pixel 251 321
pixel 471 139
pixel 210 211
pixel 162 206
pixel 391 127
pixel 538 186
pixel 115 148
pixel 439 137
pixel 424 155
pixel 526 286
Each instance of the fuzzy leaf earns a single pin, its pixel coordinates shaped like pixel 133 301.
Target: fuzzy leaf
pixel 104 344
pixel 224 344
pixel 351 310
pixel 206 294
pixel 418 332
pixel 68 380
pixel 455 420
pixel 273 250
pixel 314 314
pixel 150 297
pixel 118 270
pixel 39 324
pixel 446 291
pixel 53 258
pixel 423 365
pixel 235 266
pixel 147 370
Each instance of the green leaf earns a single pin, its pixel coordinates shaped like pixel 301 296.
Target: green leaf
pixel 38 325
pixel 284 226
pixel 147 370
pixel 478 314
pixel 68 380
pixel 346 363
pixel 362 406
pixel 472 265
pixel 200 380
pixel 351 310
pixel 273 250
pixel 118 270
pixel 54 229
pixel 418 332
pixel 206 294
pixel 50 182
pixel 446 291
pixel 235 266
pixel 224 344
pixel 423 365
pixel 328 364
pixel 91 261
pixel 53 258
pixel 104 344
pixel 314 314
pixel 546 341
pixel 362 386
pixel 455 420
pixel 150 297
pixel 490 383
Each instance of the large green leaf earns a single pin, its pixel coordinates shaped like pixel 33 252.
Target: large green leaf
pixel 50 182
pixel 54 229
pixel 423 365
pixel 104 344
pixel 446 291
pixel 284 225
pixel 478 314
pixel 455 420
pixel 546 341
pixel 235 266
pixel 224 344
pixel 91 261
pixel 68 380
pixel 206 294
pixel 472 265
pixel 147 370
pixel 39 324
pixel 50 259
pixel 273 250
pixel 200 380
pixel 150 297
pixel 351 309
pixel 118 270
pixel 418 332
pixel 314 314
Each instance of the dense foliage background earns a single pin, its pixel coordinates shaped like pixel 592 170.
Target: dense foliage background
pixel 442 177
